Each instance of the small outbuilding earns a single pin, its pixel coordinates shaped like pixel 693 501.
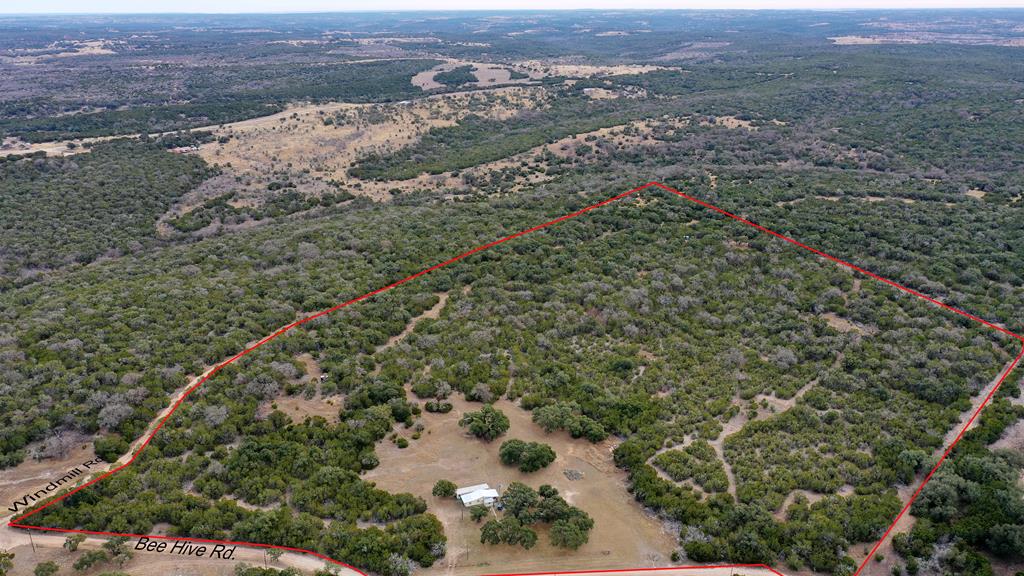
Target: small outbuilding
pixel 477 494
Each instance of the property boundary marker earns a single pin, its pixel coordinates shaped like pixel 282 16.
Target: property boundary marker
pixel 17 522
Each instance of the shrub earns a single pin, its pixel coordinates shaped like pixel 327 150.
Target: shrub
pixel 477 512
pixel 439 406
pixel 46 569
pixel 444 489
pixel 89 559
pixel 110 447
pixel 571 532
pixel 699 551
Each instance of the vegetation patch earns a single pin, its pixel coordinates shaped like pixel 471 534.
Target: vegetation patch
pixel 56 212
pixel 528 456
pixel 456 76
pixel 487 423
pixel 698 462
pixel 524 507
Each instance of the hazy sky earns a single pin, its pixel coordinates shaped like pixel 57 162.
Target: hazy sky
pixel 220 6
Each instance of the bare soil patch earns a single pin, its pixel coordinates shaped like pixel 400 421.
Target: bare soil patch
pixel 695 51
pixel 1012 438
pixel 31 56
pixel 869 199
pixel 32 475
pixel 734 425
pixel 811 498
pixel 600 94
pixel 298 407
pixel 733 122
pixel 847 326
pixel 919 37
pixel 54 148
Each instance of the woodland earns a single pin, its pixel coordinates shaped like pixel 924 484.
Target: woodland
pixel 729 368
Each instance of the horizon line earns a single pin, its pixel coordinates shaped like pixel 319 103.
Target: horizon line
pixel 964 8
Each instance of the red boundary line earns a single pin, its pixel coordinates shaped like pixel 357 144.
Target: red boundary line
pixel 16 522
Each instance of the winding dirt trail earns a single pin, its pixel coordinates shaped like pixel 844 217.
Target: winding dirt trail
pixel 736 423
pixel 433 312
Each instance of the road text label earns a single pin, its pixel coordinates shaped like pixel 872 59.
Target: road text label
pixel 66 480
pixel 186 548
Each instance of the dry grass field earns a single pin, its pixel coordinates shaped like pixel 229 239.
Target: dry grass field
pixel 316 144
pixel 446 451
pixel 487 75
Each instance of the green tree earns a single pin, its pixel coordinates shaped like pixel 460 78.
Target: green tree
pixel 509 530
pixel 487 423
pixel 89 559
pixel 118 551
pixel 519 499
pixel 565 534
pixel 511 451
pixel 444 489
pixel 490 532
pixel 528 456
pixel 572 531
pixel 536 456
pixel 110 447
pixel 700 551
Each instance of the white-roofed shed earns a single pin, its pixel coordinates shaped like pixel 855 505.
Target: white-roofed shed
pixel 485 496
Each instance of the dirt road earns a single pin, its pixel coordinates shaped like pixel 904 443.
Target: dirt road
pixel 906 521
pixel 49 547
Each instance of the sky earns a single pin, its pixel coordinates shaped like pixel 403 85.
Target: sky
pixel 237 6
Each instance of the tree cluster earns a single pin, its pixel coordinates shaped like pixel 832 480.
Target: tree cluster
pixel 527 456
pixel 569 526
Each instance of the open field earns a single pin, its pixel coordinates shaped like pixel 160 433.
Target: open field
pixel 486 75
pixel 281 146
pixel 446 451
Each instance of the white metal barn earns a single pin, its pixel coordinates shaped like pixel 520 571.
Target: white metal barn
pixel 477 494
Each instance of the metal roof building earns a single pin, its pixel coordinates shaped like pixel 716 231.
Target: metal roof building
pixel 477 494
